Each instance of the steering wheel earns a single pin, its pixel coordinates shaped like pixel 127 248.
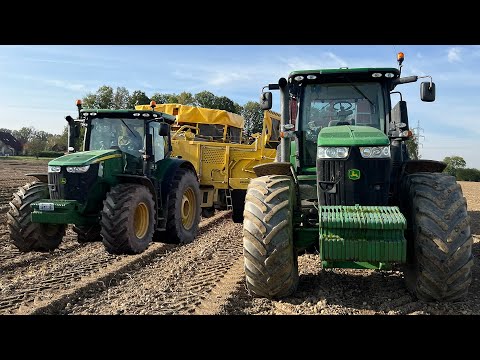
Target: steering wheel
pixel 342 105
pixel 127 143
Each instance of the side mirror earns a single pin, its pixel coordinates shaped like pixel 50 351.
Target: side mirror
pixel 164 129
pixel 427 91
pixel 266 100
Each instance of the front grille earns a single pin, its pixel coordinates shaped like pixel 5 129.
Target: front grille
pixel 54 187
pixel 72 186
pixel 335 188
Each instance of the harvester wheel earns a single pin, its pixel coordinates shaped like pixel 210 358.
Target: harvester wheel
pixel 440 256
pixel 87 233
pixel 238 204
pixel 183 208
pixel 128 219
pixel 270 259
pixel 26 235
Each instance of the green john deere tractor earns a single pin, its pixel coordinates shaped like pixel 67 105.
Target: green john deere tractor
pixel 123 189
pixel 344 183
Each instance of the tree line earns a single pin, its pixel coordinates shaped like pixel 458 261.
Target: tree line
pixel 120 98
pixel 36 141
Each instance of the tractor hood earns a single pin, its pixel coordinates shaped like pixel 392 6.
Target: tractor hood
pixel 85 157
pixel 349 135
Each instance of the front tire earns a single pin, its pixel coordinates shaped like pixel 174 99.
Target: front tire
pixel 127 219
pixel 26 235
pixel 184 208
pixel 270 259
pixel 440 257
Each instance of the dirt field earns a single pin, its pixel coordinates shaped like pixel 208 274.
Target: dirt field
pixel 204 277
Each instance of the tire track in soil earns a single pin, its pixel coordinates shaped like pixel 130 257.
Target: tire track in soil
pixel 55 277
pixel 195 277
pixel 350 292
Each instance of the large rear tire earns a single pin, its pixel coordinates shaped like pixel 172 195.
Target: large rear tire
pixel 184 208
pixel 88 233
pixel 440 252
pixel 26 235
pixel 270 259
pixel 238 205
pixel 127 219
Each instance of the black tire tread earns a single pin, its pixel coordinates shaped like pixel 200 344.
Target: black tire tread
pixel 26 235
pixel 442 238
pixel 270 260
pixel 117 208
pixel 175 233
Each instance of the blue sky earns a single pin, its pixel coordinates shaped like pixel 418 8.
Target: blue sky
pixel 39 84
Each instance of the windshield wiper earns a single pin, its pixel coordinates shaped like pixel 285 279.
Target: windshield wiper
pixel 124 123
pixel 360 92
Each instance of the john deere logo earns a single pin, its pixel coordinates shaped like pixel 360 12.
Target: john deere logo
pixel 354 174
pixel 63 181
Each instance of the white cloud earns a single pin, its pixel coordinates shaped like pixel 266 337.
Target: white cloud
pixel 65 85
pixel 222 78
pixel 454 55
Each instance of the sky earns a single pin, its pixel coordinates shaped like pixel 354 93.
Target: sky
pixel 39 84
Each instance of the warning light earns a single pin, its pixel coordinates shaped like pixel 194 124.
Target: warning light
pixel 400 58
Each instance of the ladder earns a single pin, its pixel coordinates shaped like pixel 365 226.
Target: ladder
pixel 228 199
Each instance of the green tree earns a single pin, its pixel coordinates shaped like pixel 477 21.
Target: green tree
pixel 253 115
pixel 453 164
pixel 89 101
pixel 24 135
pixel 6 130
pixel 138 98
pixel 104 98
pixel 224 103
pixel 209 100
pixel 412 148
pixel 121 98
pixel 165 98
pixel 205 99
pixel 185 98
pixel 58 142
pixel 468 175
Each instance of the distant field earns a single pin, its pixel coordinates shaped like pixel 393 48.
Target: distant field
pixel 26 159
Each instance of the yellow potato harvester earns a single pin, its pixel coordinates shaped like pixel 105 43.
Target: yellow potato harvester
pixel 214 142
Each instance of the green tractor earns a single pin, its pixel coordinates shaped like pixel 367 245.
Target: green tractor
pixel 346 184
pixel 123 188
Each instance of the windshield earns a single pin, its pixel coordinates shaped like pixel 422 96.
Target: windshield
pixel 358 103
pixel 125 134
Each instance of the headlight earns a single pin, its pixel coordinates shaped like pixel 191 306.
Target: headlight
pixel 54 169
pixel 324 152
pixel 78 169
pixel 375 152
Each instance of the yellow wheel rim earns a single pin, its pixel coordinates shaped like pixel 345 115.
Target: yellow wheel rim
pixel 141 220
pixel 188 208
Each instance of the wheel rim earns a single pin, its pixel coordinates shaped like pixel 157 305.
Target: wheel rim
pixel 188 208
pixel 141 220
